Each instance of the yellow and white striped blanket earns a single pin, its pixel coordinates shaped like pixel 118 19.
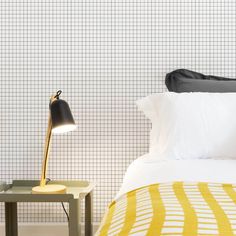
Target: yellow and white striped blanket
pixel 176 208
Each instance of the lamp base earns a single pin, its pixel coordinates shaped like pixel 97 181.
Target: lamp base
pixel 49 189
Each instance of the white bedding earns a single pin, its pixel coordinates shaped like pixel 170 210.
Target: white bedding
pixel 191 125
pixel 145 171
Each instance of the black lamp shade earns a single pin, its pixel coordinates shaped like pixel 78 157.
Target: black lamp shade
pixel 62 119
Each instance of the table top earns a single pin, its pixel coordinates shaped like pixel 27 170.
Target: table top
pixel 21 191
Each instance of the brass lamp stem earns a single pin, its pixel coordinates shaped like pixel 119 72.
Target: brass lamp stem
pixel 46 152
pixel 47 147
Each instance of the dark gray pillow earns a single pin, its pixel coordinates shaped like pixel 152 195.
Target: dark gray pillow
pixel 183 80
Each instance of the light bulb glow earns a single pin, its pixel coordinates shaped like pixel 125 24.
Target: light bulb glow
pixel 64 128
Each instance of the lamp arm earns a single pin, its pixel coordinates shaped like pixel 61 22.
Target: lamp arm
pixel 46 152
pixel 47 144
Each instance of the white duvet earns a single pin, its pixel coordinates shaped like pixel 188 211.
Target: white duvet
pixel 145 171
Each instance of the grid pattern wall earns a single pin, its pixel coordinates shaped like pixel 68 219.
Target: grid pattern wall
pixel 103 55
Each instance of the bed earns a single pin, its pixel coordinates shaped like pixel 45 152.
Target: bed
pixel 186 184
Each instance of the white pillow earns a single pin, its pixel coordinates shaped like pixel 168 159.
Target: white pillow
pixel 191 125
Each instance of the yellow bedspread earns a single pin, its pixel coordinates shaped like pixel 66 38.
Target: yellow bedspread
pixel 173 209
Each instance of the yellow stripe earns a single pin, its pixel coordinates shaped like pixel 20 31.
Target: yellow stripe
pixel 190 222
pixel 108 220
pixel 133 228
pixel 158 211
pixel 130 215
pixel 223 223
pixel 228 188
pixel 168 234
pixel 138 231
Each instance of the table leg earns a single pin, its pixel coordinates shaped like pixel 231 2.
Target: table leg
pixel 75 218
pixel 11 218
pixel 89 214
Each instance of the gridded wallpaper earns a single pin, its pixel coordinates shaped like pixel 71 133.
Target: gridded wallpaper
pixel 103 55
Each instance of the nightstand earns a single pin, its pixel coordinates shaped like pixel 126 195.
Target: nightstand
pixel 21 191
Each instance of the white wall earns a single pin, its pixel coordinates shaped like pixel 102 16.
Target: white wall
pixel 103 55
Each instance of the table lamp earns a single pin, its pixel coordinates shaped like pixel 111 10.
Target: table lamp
pixel 60 121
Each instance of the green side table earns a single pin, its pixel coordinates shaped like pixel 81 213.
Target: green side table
pixel 20 191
